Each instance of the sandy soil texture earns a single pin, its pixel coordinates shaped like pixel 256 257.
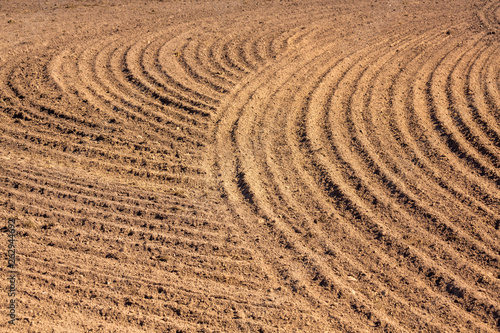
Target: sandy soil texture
pixel 251 166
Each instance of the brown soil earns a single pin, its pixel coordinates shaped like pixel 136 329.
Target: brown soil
pixel 271 166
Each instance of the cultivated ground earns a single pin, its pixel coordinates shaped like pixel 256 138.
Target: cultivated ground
pixel 259 166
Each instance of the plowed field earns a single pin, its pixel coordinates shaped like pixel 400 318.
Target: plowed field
pixel 258 166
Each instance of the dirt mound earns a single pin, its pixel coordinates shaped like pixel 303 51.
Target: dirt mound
pixel 251 166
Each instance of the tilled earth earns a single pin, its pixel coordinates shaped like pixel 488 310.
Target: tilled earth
pixel 274 166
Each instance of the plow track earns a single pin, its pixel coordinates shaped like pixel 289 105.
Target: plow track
pixel 262 167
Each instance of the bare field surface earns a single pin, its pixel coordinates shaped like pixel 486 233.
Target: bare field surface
pixel 274 166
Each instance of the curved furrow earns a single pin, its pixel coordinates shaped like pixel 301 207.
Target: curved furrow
pixel 167 83
pixel 414 155
pixel 65 67
pixel 170 63
pixel 479 100
pixel 420 127
pixel 461 138
pixel 220 61
pixel 132 112
pixel 137 75
pixel 244 47
pixel 52 117
pixel 272 43
pixel 327 221
pixel 411 168
pixel 314 233
pixel 79 135
pixel 150 70
pixel 489 16
pixel 252 166
pixel 227 63
pixel 229 59
pixel 462 113
pixel 247 194
pixel 106 84
pixel 99 89
pixel 54 124
pixel 443 124
pixel 233 54
pixel 127 70
pixel 216 68
pixel 187 58
pixel 403 195
pixel 207 65
pixel 110 73
pixel 255 49
pixel 234 175
pixel 362 210
pixel 492 79
pixel 400 192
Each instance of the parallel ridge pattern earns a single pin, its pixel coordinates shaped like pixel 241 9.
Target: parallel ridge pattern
pixel 489 15
pixel 264 172
pixel 109 139
pixel 387 157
